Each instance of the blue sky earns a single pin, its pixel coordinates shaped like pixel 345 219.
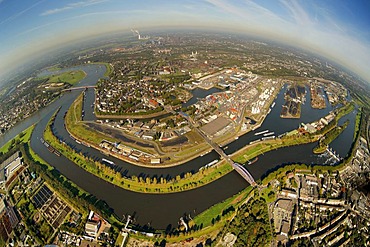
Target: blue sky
pixel 339 30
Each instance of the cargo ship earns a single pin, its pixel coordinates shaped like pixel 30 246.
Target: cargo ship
pixel 262 132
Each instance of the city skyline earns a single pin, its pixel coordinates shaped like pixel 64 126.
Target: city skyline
pixel 338 31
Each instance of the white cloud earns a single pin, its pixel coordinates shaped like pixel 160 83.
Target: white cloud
pixel 227 7
pixel 301 17
pixel 15 16
pixel 71 6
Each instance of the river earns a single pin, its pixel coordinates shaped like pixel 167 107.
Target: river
pixel 161 210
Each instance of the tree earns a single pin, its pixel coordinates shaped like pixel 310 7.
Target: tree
pixel 271 194
pixel 170 123
pixel 157 135
pixel 2 242
pixel 134 178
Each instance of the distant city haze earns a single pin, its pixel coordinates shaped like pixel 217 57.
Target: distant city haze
pixel 338 30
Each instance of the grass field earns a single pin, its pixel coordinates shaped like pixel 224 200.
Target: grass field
pixel 329 137
pixel 54 68
pixel 71 77
pixel 22 137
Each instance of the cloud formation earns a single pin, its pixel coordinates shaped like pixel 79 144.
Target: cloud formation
pixel 16 15
pixel 71 6
pixel 298 13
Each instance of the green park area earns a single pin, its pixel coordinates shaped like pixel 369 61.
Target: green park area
pixel 333 130
pixel 347 108
pixel 71 77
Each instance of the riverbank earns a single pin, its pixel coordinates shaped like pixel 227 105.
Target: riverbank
pixel 74 195
pixel 108 68
pixel 212 220
pixel 254 150
pixel 131 116
pixel 328 138
pixel 189 180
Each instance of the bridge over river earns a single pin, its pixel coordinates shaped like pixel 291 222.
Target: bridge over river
pixel 237 167
pixel 77 88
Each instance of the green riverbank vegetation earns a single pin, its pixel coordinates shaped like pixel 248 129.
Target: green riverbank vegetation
pixel 329 137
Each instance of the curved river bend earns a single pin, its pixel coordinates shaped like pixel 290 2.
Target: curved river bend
pixel 161 210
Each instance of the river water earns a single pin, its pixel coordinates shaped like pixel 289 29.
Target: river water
pixel 159 211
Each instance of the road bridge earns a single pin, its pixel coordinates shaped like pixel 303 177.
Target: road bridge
pixel 244 173
pixel 77 88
